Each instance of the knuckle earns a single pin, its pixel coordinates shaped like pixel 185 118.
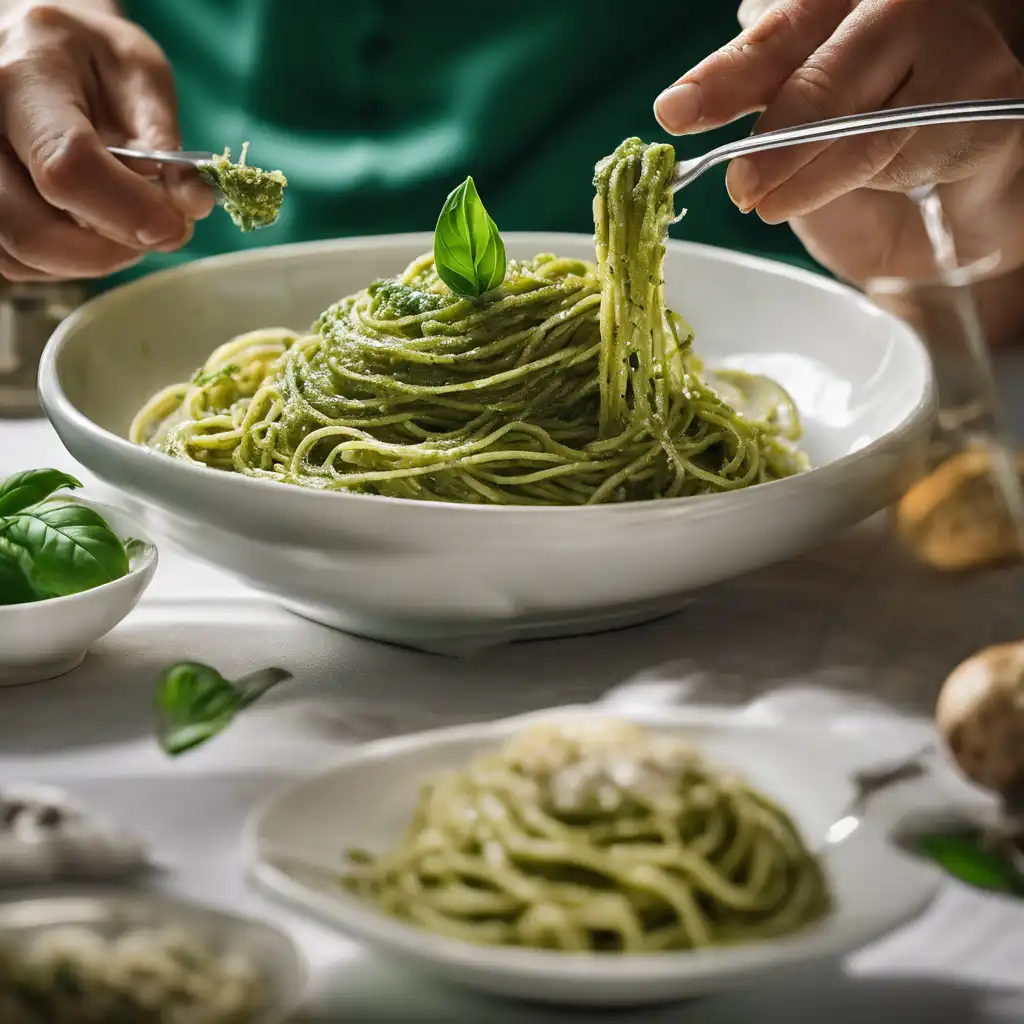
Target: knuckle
pixel 880 153
pixel 147 59
pixel 813 84
pixel 769 21
pixel 26 244
pixel 899 174
pixel 45 16
pixel 59 162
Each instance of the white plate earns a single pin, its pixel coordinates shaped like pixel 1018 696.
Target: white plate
pixel 421 573
pixel 367 797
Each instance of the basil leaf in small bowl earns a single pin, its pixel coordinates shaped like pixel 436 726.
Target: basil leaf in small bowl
pixel 30 487
pixel 52 545
pixel 469 255
pixel 65 549
pixel 68 574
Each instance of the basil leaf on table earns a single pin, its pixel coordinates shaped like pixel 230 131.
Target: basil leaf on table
pixel 469 255
pixel 64 549
pixel 22 490
pixel 194 702
pixel 966 857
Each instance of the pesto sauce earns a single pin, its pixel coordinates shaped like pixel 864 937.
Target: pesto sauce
pixel 252 197
pixel 392 299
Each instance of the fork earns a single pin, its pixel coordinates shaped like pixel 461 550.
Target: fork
pixel 688 171
pixel 193 158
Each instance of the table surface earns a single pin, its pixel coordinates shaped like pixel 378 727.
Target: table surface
pixel 852 621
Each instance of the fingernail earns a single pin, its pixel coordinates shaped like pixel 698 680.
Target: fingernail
pixel 678 107
pixel 743 180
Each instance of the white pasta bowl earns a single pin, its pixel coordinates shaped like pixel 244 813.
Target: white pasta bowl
pixel 293 851
pixel 427 573
pixel 41 640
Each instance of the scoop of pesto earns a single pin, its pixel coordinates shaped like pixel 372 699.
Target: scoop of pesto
pixel 252 197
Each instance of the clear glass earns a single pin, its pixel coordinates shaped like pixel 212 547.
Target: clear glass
pixel 967 511
pixel 29 313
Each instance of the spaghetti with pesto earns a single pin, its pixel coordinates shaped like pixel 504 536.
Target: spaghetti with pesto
pixel 595 837
pixel 570 383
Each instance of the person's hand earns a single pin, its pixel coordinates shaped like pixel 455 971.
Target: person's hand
pixel 806 60
pixel 71 82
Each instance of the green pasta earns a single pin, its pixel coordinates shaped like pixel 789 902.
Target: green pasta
pixel 596 837
pixel 568 384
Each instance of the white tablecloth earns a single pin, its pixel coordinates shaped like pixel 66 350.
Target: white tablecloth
pixel 825 635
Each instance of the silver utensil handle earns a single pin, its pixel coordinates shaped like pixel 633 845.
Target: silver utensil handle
pixel 858 124
pixel 188 158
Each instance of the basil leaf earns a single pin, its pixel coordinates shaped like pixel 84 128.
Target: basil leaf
pixel 64 549
pixel 14 588
pixel 252 687
pixel 964 856
pixel 469 255
pixel 194 702
pixel 23 490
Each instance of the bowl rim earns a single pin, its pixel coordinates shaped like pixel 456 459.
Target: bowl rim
pixel 61 410
pixel 370 926
pixel 163 908
pixel 143 569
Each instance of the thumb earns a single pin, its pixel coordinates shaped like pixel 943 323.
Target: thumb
pixel 148 113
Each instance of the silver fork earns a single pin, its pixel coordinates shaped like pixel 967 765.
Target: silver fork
pixel 688 171
pixel 187 157
pixel 193 158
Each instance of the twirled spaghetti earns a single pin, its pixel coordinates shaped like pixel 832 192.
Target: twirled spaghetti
pixel 596 837
pixel 569 384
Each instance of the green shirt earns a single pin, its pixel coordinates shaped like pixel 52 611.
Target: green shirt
pixel 376 109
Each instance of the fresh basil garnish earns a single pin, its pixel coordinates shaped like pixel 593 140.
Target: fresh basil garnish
pixel 52 547
pixel 194 702
pixel 469 255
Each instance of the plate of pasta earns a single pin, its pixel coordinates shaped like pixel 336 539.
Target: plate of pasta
pixel 476 435
pixel 581 858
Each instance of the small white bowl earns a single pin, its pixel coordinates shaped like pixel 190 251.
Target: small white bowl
pixel 45 639
pixel 110 913
pixel 366 799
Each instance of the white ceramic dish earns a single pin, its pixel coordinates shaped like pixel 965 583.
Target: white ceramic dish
pixel 427 573
pixel 46 639
pixel 366 799
pixel 110 913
